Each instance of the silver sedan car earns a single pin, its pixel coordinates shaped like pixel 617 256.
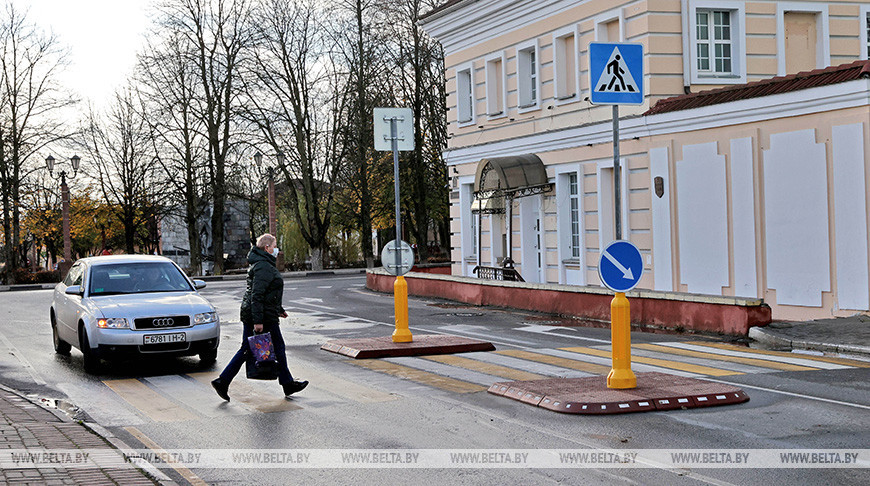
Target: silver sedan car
pixel 127 305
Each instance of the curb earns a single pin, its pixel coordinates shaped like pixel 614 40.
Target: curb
pixel 156 474
pixel 768 337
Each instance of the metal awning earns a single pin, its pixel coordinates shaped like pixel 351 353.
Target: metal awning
pixel 490 205
pixel 514 176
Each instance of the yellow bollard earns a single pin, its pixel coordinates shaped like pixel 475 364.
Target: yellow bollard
pixel 620 375
pixel 400 293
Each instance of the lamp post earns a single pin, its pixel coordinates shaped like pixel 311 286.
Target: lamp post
pixel 64 195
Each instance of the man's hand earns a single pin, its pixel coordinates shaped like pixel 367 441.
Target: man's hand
pixel 258 328
pixel 283 313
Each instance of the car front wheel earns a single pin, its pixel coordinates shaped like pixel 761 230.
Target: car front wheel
pixel 60 346
pixel 207 358
pixel 91 360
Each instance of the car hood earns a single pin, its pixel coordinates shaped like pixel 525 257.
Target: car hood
pixel 152 304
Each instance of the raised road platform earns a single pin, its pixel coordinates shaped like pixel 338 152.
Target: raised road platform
pixel 384 347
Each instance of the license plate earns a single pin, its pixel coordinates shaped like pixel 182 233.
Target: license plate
pixel 178 337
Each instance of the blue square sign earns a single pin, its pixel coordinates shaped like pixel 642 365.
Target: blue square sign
pixel 616 73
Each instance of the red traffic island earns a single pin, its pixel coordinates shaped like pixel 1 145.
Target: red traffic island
pixel 384 347
pixel 590 395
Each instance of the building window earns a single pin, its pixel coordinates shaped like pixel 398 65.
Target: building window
pixel 527 72
pixel 495 92
pixel 566 65
pixel 609 26
pixel 574 198
pixel 715 46
pixel 802 37
pixel 867 34
pixel 465 95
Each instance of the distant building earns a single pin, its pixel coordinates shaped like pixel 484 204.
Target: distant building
pixel 237 236
pixel 758 189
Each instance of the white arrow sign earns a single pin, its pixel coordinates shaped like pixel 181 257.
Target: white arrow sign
pixel 626 272
pixel 538 329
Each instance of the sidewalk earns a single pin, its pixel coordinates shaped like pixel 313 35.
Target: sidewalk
pixel 848 335
pixel 27 426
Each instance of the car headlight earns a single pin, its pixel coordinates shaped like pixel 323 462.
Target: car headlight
pixel 205 318
pixel 113 323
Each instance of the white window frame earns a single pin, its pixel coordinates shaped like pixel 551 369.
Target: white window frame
pixel 823 39
pixel 738 42
pixel 525 80
pixel 493 95
pixel 606 18
pixel 465 100
pixel 865 41
pixel 559 69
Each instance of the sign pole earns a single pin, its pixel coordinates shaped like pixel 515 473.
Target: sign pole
pixel 620 375
pixel 402 334
pixel 617 200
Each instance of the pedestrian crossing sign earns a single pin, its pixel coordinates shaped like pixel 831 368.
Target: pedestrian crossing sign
pixel 616 73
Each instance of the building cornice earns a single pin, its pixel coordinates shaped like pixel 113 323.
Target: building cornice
pixel 845 95
pixel 469 23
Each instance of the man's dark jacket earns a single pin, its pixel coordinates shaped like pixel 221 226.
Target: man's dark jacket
pixel 265 287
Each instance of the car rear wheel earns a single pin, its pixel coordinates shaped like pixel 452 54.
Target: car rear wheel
pixel 91 360
pixel 60 346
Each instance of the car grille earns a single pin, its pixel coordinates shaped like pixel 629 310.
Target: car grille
pixel 168 322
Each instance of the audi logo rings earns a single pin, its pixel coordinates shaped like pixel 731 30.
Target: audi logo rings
pixel 163 322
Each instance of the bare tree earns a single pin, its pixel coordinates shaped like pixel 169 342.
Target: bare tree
pixel 171 81
pixel 361 48
pixel 125 166
pixel 218 32
pixel 419 70
pixel 294 99
pixel 30 99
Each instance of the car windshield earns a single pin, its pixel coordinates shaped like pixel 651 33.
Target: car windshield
pixel 134 278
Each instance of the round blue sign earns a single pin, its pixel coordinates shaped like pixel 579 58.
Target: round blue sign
pixel 620 266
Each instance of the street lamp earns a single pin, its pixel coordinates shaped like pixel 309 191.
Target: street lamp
pixel 64 192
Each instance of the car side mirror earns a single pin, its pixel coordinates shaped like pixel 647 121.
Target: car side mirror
pixel 199 284
pixel 73 290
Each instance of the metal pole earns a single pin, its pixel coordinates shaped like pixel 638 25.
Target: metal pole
pixel 395 141
pixel 64 196
pixel 273 220
pixel 617 205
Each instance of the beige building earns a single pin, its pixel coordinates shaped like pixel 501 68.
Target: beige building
pixel 754 190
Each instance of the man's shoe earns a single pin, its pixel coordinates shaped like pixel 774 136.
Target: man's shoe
pixel 221 388
pixel 295 386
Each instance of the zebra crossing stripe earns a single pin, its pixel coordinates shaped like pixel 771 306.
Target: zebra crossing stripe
pixel 527 365
pixel 608 362
pixel 571 364
pixel 488 368
pixel 782 359
pixel 677 365
pixel 419 376
pixel 721 357
pixel 824 359
pixel 154 405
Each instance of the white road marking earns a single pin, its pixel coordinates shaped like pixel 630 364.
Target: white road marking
pixel 446 370
pixel 525 365
pixel 791 394
pixel 781 359
pixel 608 362
pixel 545 330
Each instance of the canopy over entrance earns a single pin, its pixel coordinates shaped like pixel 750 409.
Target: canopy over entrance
pixel 515 176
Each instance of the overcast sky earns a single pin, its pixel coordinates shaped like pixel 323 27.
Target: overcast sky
pixel 103 37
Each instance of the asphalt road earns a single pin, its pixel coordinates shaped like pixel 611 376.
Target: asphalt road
pixel 417 403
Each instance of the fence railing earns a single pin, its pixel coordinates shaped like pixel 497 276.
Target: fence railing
pixel 507 272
